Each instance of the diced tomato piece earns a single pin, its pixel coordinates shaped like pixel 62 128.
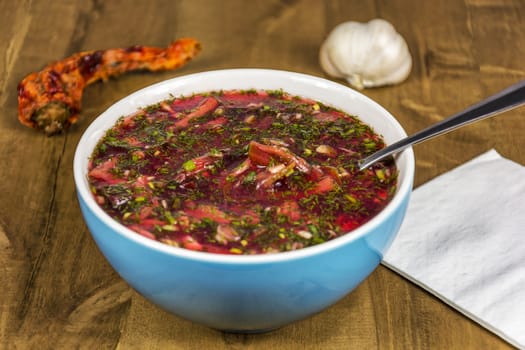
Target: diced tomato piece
pixel 326 184
pixel 382 194
pixel 103 172
pixel 290 209
pixel 346 223
pixel 190 243
pixel 141 181
pixel 129 121
pixel 133 141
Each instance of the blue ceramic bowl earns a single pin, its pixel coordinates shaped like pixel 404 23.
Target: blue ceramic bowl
pixel 246 293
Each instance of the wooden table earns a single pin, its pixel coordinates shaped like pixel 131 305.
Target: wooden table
pixel 56 289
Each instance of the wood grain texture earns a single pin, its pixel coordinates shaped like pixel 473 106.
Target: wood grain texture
pixel 58 292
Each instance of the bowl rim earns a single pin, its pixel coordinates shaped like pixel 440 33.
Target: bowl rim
pixel 82 155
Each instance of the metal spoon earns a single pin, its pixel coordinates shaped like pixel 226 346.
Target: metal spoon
pixel 511 97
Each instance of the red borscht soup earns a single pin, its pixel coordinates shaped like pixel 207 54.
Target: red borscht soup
pixel 240 172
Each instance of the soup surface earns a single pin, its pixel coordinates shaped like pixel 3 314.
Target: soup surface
pixel 240 172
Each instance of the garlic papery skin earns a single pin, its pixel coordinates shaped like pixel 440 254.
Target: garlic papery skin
pixel 366 54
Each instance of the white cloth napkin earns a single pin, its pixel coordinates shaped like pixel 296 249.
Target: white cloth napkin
pixel 463 240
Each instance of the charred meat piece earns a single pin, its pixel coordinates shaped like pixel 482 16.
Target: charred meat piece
pixel 49 100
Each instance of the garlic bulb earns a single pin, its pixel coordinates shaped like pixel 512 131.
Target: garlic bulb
pixel 366 54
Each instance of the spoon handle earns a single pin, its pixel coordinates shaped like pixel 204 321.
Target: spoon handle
pixel 505 100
